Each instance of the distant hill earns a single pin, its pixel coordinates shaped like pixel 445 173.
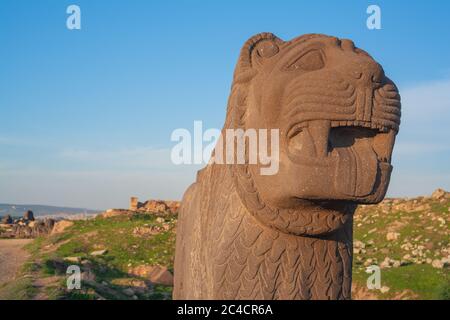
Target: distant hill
pixel 17 210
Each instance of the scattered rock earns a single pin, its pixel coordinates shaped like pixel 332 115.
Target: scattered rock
pixel 131 282
pixel 362 293
pixel 174 206
pixel 429 245
pixel 72 259
pixel 99 252
pixel 423 207
pixel 30 229
pixel 388 263
pixel 384 289
pixel 438 194
pixel 438 264
pixel 156 274
pixel 60 226
pixel 404 263
pixel 154 206
pixel 368 262
pixel 116 212
pixel 392 236
pixel 441 263
pixel 129 292
pixel 359 244
pixel 88 276
pixel 146 231
pixel 385 263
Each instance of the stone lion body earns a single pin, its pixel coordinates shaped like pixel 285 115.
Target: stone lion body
pixel 289 236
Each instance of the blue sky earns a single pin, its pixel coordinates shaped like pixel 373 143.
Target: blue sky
pixel 86 115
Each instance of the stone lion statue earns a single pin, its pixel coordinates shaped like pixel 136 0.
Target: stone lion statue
pixel 243 235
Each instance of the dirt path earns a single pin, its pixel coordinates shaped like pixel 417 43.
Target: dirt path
pixel 12 256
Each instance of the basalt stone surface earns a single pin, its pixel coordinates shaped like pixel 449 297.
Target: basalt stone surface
pixel 243 235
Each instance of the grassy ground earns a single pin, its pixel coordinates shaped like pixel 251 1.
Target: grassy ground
pixel 422 236
pixel 421 226
pixel 110 279
pixel 115 235
pixel 20 289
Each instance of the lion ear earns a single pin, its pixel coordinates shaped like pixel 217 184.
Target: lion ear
pixel 254 53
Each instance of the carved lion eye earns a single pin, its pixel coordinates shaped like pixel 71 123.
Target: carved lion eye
pixel 310 61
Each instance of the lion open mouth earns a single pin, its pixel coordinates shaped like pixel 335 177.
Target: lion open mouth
pixel 356 154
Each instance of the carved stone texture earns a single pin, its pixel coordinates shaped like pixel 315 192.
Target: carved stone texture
pixel 242 235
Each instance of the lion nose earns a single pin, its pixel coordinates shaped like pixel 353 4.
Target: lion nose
pixel 377 73
pixel 367 72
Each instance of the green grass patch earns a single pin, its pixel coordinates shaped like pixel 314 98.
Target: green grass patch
pixel 20 289
pixel 125 249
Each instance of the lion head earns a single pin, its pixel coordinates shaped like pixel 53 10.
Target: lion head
pixel 337 114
